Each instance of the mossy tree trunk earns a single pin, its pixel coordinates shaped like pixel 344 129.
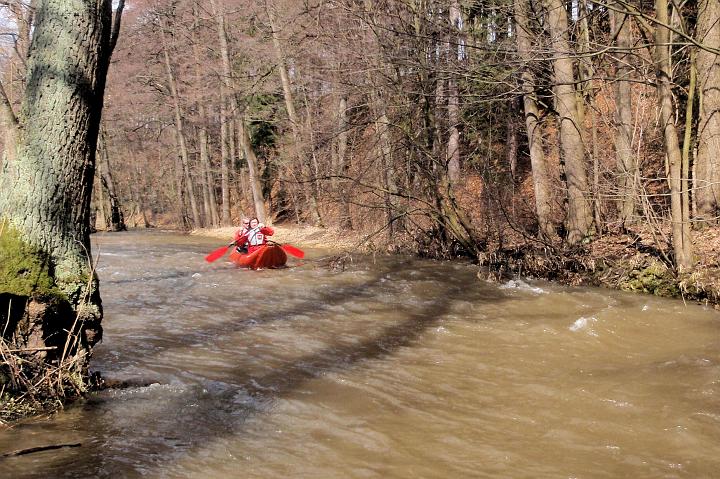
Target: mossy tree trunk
pixel 45 261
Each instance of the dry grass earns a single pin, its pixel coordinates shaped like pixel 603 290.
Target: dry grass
pixel 33 386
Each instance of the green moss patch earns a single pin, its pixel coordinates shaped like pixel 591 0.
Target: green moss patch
pixel 655 279
pixel 24 270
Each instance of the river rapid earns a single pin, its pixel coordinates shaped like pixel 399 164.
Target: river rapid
pixel 392 367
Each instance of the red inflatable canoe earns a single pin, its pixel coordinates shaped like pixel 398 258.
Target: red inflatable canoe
pixel 270 256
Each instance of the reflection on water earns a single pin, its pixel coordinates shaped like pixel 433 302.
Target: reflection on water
pixel 393 368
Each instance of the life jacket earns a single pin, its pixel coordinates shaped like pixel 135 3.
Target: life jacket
pixel 255 237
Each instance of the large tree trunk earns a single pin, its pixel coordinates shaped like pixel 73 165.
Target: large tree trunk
pixel 707 163
pixel 628 174
pixel 572 151
pixel 541 181
pixel 45 194
pixel 682 246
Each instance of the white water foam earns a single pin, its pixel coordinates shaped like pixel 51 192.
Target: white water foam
pixel 584 323
pixel 522 286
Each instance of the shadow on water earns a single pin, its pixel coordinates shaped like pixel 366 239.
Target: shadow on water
pixel 201 413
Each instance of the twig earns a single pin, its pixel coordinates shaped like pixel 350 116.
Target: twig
pixel 30 350
pixel 30 450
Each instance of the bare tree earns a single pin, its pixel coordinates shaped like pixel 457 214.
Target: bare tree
pixel 682 246
pixel 707 164
pixel 572 150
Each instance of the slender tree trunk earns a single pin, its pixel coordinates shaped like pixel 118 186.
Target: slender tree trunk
pixel 342 164
pixel 511 146
pixel 453 144
pixel 255 186
pixel 237 110
pixel 681 243
pixel 225 133
pixel 138 189
pixel 208 180
pixel 311 190
pixel 572 151
pixel 687 143
pixel 97 205
pixel 22 15
pixel 208 175
pixel 384 150
pixel 117 220
pixel 628 174
pixel 179 133
pixel 707 164
pixel 10 123
pixel 227 102
pixel 541 181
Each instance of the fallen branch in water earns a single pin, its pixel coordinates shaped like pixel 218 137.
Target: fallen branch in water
pixel 30 450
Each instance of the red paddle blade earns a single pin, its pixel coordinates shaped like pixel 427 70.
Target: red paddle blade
pixel 218 253
pixel 298 253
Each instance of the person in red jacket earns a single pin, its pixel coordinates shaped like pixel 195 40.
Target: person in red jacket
pixel 256 236
pixel 242 247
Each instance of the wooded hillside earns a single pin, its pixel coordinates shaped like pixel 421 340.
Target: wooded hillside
pixel 450 125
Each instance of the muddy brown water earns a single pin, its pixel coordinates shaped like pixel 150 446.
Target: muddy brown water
pixel 392 368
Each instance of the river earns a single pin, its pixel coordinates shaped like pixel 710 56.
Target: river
pixel 391 367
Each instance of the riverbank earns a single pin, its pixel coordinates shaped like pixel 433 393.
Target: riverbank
pixel 624 261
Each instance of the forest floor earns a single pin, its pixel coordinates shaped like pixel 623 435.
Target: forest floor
pixel 638 261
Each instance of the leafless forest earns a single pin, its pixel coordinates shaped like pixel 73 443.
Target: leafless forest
pixel 450 126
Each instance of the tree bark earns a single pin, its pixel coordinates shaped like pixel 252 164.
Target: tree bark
pixel 707 163
pixel 208 181
pixel 682 246
pixel 45 194
pixel 453 144
pixel 628 174
pixel 227 95
pixel 572 151
pixel 342 164
pixel 117 220
pixel 541 181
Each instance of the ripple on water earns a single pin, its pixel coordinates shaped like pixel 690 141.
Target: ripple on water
pixel 393 368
